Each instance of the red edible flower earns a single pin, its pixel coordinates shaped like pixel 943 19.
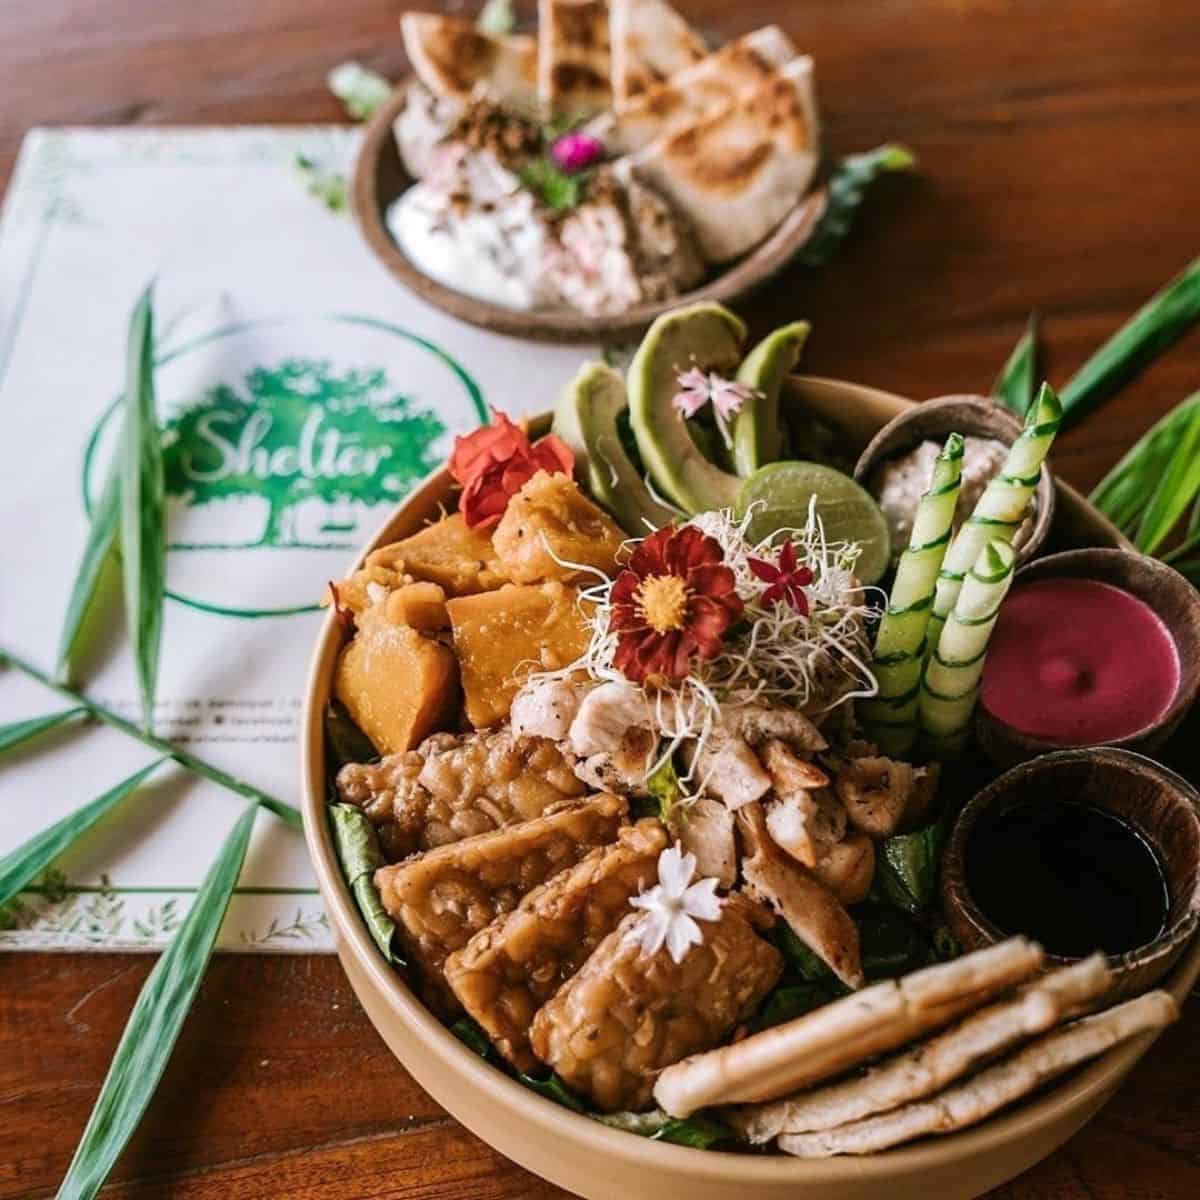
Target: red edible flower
pixel 496 461
pixel 786 582
pixel 673 603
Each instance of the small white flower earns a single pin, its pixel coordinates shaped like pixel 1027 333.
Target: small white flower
pixel 674 906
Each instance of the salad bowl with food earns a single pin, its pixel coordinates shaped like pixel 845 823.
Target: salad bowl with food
pixel 631 753
pixel 579 180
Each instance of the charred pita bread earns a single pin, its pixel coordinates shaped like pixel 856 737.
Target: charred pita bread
pixel 993 1089
pixel 737 174
pixel 574 59
pixel 732 73
pixel 453 60
pixel 845 1033
pixel 930 1066
pixel 650 43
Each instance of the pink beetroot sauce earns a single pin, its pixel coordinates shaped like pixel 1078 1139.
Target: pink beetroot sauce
pixel 1077 662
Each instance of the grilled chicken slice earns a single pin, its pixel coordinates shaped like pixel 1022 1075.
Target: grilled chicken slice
pixel 705 828
pixel 876 792
pixel 847 868
pixel 803 816
pixel 729 769
pixel 441 899
pixel 610 1029
pixel 455 786
pixel 545 708
pixel 815 915
pixel 509 970
pixel 756 723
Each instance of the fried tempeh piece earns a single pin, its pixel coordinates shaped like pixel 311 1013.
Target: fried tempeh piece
pixel 454 786
pixel 932 1065
pixel 510 969
pixel 993 1089
pixel 441 899
pixel 626 1014
pixel 846 1033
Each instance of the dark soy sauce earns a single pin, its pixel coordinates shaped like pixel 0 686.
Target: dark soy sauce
pixel 1073 877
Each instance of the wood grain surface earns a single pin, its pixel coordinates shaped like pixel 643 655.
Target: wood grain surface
pixel 1060 150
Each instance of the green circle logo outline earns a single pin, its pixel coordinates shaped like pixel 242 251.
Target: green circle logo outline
pixel 473 390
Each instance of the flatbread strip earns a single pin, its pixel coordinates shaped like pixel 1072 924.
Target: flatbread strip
pixel 441 899
pixel 509 970
pixel 452 58
pixel 993 1089
pixel 736 174
pixel 574 59
pixel 733 73
pixel 846 1033
pixel 933 1065
pixel 626 1014
pixel 650 43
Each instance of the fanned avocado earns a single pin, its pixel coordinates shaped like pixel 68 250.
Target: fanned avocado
pixel 703 335
pixel 757 436
pixel 586 419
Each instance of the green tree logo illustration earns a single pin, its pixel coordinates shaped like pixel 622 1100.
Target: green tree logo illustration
pixel 295 432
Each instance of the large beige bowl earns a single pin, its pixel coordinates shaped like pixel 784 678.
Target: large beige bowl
pixel 602 1164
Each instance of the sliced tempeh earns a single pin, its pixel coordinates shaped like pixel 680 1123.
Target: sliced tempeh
pixel 932 1065
pixel 441 899
pixel 991 1090
pixel 650 43
pixel 453 59
pixel 510 969
pixel 846 1033
pixel 574 60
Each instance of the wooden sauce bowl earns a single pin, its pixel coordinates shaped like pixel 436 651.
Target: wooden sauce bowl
pixel 1177 604
pixel 1162 806
pixel 380 177
pixel 972 416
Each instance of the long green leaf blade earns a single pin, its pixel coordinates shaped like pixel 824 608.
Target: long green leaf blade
pixel 143 514
pixel 1175 490
pixel 155 1022
pixel 12 736
pixel 102 535
pixel 24 864
pixel 1158 324
pixel 1015 385
pixel 847 188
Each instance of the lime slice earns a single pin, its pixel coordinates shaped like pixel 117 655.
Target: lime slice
pixel 782 492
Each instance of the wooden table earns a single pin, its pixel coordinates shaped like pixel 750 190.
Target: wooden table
pixel 1060 149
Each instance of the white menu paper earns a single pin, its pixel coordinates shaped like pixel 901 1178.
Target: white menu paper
pixel 302 391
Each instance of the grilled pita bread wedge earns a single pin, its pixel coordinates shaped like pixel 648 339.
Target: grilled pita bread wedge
pixel 650 43
pixel 932 1065
pixel 734 72
pixel 574 59
pixel 993 1089
pixel 452 59
pixel 845 1033
pixel 737 174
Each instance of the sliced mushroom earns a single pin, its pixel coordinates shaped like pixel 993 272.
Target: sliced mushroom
pixel 705 828
pixel 756 723
pixel 875 792
pixel 847 868
pixel 812 911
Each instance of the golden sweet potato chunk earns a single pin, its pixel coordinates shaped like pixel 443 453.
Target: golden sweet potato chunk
pixel 459 559
pixel 396 684
pixel 501 636
pixel 550 522
pixel 421 605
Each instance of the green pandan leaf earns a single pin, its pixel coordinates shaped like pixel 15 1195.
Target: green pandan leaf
pixel 21 866
pixel 1175 491
pixel 143 506
pixel 153 1026
pixel 19 732
pixel 847 189
pixel 1015 386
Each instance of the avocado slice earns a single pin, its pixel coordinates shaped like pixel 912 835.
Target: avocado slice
pixel 586 419
pixel 704 335
pixel 757 433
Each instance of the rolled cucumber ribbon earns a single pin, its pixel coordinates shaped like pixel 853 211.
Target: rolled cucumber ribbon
pixel 950 686
pixel 891 717
pixel 1002 507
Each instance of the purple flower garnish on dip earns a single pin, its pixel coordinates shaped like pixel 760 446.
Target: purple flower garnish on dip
pixel 577 151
